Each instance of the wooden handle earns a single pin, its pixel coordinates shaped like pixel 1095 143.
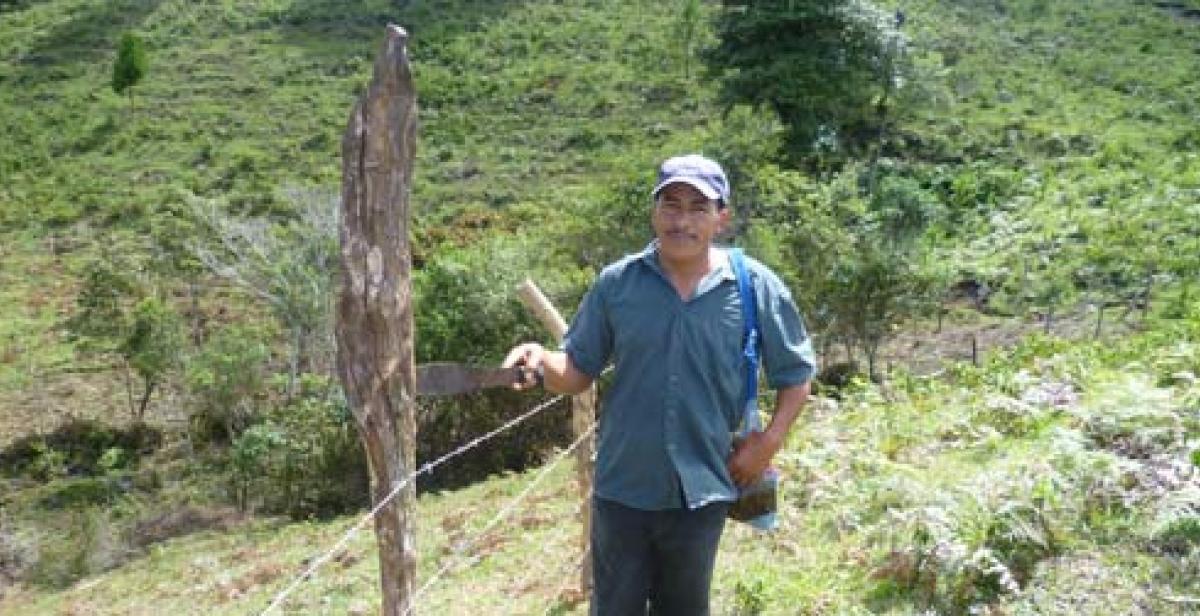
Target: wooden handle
pixel 536 302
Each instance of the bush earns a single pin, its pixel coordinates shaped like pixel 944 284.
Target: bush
pixel 1175 529
pixel 180 521
pixel 77 544
pixel 84 491
pixel 224 378
pixel 445 424
pixel 303 458
pixel 81 447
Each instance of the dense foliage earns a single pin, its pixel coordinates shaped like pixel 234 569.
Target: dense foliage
pixel 828 68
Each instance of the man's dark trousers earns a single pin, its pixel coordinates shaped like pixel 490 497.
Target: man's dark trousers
pixel 657 559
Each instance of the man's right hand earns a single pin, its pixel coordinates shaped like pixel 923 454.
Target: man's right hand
pixel 551 369
pixel 530 357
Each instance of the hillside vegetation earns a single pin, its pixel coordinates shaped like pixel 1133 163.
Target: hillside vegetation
pixel 1039 157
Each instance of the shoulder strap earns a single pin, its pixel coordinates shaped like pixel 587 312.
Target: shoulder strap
pixel 749 303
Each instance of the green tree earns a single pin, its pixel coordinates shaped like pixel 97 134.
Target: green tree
pixel 116 313
pixel 858 262
pixel 152 346
pixel 829 68
pixel 131 64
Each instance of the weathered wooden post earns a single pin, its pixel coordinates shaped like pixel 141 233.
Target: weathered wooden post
pixel 583 415
pixel 374 317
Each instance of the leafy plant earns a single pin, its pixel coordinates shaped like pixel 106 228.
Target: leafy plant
pixel 749 598
pixel 302 458
pixel 225 379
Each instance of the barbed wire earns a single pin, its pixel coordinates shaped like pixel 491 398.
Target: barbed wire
pixel 426 468
pixel 500 516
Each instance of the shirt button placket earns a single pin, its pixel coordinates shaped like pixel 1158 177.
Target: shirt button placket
pixel 670 419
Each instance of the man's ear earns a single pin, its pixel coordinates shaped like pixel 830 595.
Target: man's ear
pixel 724 216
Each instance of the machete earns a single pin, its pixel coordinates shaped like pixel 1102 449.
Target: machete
pixel 449 378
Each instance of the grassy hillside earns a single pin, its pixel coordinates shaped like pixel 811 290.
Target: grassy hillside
pixel 243 100
pixel 1054 477
pixel 1062 471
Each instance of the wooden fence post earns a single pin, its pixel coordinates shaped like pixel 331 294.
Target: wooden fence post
pixel 374 317
pixel 583 415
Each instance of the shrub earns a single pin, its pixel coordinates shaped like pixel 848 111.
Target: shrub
pixel 445 424
pixel 224 378
pixel 303 458
pixel 80 543
pixel 81 447
pixel 966 552
pixel 1175 528
pixel 749 598
pixel 180 521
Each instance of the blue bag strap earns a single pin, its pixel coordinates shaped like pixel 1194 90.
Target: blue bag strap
pixel 749 303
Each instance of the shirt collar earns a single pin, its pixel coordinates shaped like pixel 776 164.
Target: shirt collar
pixel 724 268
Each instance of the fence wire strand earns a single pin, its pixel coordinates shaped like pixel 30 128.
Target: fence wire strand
pixel 499 517
pixel 426 468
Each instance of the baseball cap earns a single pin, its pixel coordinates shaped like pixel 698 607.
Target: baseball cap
pixel 695 170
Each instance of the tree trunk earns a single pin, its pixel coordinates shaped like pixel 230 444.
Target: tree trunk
pixel 145 401
pixel 129 388
pixel 374 325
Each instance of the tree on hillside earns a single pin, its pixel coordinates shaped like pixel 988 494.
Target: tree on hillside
pixel 829 68
pixel 290 266
pixel 857 262
pixel 130 66
pixel 118 314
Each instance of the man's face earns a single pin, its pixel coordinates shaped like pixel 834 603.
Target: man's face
pixel 685 222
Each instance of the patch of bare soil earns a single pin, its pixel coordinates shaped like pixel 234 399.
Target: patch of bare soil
pixel 54 399
pixel 925 348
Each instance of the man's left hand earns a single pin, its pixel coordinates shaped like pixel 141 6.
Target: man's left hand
pixel 752 456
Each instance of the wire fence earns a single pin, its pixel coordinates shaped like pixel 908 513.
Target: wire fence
pixel 424 469
pixel 500 516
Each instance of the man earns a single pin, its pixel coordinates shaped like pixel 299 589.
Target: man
pixel 670 321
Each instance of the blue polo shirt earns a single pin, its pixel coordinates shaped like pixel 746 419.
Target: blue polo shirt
pixel 667 420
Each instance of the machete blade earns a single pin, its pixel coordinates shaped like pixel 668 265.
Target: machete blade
pixel 450 379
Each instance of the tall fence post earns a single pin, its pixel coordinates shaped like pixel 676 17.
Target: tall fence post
pixel 374 326
pixel 583 415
